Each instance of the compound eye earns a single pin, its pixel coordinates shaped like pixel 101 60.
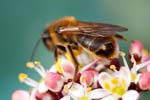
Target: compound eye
pixel 47 40
pixel 45 34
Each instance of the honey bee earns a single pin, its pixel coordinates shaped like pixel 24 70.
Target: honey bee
pixel 68 34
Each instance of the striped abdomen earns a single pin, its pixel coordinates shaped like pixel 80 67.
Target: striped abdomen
pixel 100 46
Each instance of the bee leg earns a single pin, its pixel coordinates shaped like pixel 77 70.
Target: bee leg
pixel 59 50
pixel 76 64
pixel 56 54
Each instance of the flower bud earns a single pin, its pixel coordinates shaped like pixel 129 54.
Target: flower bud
pixel 20 95
pixel 54 81
pixel 88 77
pixel 144 81
pixel 136 49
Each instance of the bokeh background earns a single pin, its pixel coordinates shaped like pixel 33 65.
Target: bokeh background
pixel 22 21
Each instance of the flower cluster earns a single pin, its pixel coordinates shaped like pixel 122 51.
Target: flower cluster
pixel 96 79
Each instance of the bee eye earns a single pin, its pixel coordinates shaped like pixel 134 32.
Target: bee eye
pixel 57 30
pixel 45 34
pixel 47 40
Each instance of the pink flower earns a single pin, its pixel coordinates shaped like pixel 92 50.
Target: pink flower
pixel 20 95
pixel 144 81
pixel 136 49
pixel 54 81
pixel 88 77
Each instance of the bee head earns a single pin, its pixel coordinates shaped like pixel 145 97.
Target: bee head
pixel 47 40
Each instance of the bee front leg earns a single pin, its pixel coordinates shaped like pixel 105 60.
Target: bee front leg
pixel 75 62
pixel 56 54
pixel 59 50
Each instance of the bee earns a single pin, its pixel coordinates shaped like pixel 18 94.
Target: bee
pixel 68 34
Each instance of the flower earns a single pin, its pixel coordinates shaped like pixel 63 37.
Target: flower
pixel 144 81
pixel 54 81
pixel 80 92
pixel 136 49
pixel 117 85
pixel 40 86
pixel 133 72
pixel 99 79
pixel 20 95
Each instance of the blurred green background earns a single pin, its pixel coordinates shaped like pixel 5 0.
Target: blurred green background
pixel 22 21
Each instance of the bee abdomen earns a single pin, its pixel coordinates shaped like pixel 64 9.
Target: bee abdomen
pixel 106 51
pixel 100 46
pixel 85 41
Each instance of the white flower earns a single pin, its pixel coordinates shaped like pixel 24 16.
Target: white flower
pixel 116 85
pixel 40 86
pixel 79 92
pixel 133 72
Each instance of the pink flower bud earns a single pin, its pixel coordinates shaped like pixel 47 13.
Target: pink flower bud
pixel 144 81
pixel 68 70
pixel 148 68
pixel 44 96
pixel 136 49
pixel 146 58
pixel 20 95
pixel 54 81
pixel 88 77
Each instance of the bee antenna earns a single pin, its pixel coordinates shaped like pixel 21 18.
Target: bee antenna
pixel 35 49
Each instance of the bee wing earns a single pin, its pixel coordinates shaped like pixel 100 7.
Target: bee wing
pixel 92 29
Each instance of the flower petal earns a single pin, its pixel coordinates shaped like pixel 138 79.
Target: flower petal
pixel 68 69
pixel 91 64
pixel 87 77
pixel 98 93
pixel 103 77
pixel 111 97
pixel 125 74
pixel 131 95
pixel 47 97
pixel 42 87
pixel 67 97
pixel 52 69
pixel 76 91
pixel 54 81
pixel 139 66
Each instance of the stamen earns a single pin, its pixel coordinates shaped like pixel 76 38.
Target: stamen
pixel 84 98
pixel 83 79
pixel 132 59
pixel 120 90
pixel 113 67
pixel 123 83
pixel 38 67
pixel 25 79
pixel 133 76
pixel 22 77
pixel 66 89
pixel 106 85
pixel 88 90
pixel 30 65
pixel 114 81
pixel 114 89
pixel 122 53
pixel 37 63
